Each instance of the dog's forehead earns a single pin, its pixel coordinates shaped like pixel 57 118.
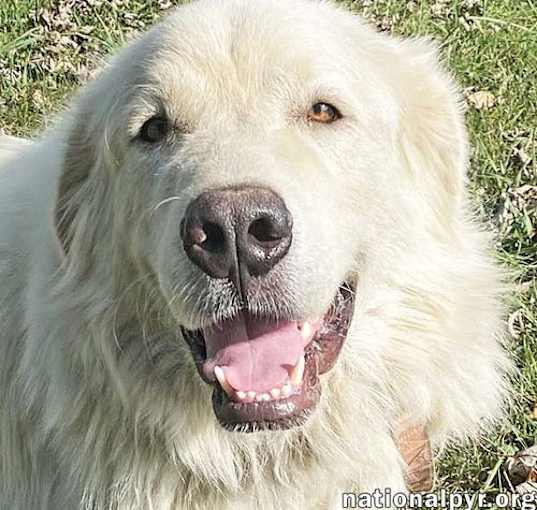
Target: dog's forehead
pixel 249 28
pixel 226 66
pixel 247 49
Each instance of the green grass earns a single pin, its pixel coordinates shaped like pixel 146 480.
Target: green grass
pixel 49 48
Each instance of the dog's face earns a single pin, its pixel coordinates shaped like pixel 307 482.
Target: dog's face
pixel 258 155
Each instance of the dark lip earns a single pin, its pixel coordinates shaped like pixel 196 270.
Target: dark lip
pixel 320 355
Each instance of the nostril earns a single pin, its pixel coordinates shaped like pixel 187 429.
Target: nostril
pixel 237 233
pixel 264 230
pixel 214 237
pixel 198 235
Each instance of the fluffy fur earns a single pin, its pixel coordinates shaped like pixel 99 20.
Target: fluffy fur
pixel 101 405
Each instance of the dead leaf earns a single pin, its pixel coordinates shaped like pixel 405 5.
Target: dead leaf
pixel 482 99
pixel 38 99
pixel 533 414
pixel 527 488
pixel 414 446
pixel 522 467
pixel 515 317
pixel 521 155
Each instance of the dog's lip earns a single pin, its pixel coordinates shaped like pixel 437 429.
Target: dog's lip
pixel 320 355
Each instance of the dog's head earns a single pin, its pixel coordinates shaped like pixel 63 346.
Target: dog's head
pixel 260 169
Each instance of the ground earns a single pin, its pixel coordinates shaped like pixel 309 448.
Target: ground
pixel 49 47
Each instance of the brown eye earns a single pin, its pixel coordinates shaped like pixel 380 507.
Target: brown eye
pixel 324 113
pixel 154 130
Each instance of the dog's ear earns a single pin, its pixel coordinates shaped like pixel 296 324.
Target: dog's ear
pixel 92 149
pixel 433 137
pixel 79 158
pixel 84 180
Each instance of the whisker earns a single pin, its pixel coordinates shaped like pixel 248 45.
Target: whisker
pixel 164 202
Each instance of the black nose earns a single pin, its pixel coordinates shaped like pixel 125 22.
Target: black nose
pixel 237 232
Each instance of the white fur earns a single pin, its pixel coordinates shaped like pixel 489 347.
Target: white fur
pixel 91 417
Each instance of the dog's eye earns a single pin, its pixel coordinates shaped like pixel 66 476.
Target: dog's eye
pixel 324 113
pixel 154 130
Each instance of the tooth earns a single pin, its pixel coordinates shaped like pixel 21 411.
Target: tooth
pixel 306 330
pixel 263 397
pixel 286 390
pixel 219 373
pixel 241 395
pixel 251 394
pixel 275 392
pixel 298 371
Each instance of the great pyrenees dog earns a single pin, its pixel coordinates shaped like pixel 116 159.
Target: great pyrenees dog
pixel 242 256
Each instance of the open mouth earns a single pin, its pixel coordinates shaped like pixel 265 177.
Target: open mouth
pixel 266 372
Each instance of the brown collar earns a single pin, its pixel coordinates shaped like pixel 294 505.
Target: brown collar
pixel 415 448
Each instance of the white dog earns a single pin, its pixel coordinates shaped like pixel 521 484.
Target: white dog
pixel 254 220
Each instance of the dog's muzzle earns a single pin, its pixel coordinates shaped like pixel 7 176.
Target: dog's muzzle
pixel 265 370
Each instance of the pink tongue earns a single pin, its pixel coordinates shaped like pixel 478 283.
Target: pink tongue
pixel 256 355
